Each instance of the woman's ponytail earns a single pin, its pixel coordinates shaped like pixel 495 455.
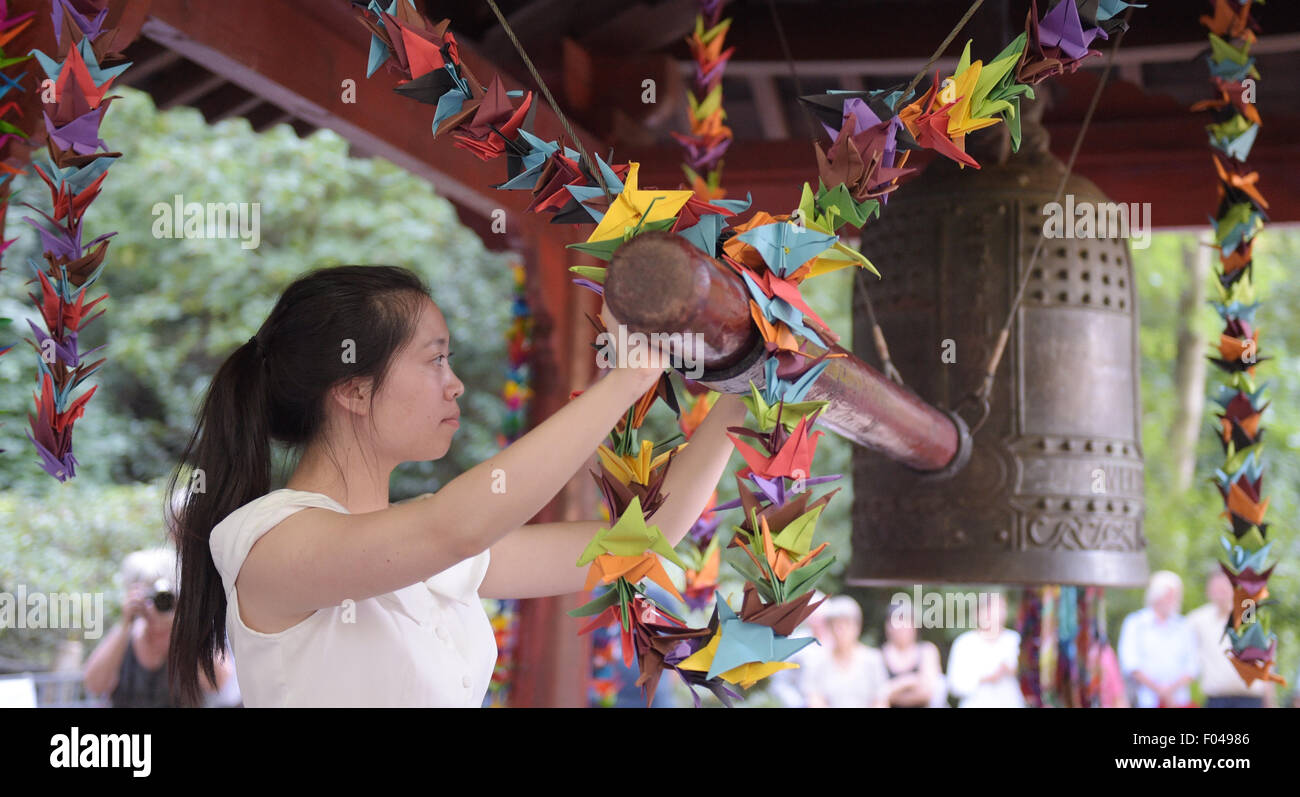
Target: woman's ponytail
pixel 226 464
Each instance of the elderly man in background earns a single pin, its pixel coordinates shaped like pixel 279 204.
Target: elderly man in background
pixel 1157 646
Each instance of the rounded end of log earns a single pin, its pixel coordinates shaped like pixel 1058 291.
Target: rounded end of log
pixel 660 282
pixel 653 282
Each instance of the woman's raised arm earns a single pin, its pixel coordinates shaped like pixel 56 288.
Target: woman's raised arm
pixel 317 558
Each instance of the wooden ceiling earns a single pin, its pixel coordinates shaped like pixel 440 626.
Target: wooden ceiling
pixel 594 54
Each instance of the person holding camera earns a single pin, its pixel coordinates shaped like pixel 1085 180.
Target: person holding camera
pixel 130 664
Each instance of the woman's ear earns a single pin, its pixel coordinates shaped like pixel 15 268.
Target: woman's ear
pixel 353 395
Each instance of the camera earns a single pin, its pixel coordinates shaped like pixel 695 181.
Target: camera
pixel 162 596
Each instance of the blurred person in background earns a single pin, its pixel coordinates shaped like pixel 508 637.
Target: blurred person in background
pixel 130 663
pixel 982 663
pixel 850 674
pixel 1222 686
pixel 1157 646
pixel 912 665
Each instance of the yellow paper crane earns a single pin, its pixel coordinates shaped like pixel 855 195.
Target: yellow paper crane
pixel 632 206
pixel 634 468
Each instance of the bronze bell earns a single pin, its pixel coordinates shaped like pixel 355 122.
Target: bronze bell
pixel 1053 492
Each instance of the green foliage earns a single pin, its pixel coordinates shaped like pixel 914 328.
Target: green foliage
pixel 178 307
pixel 73 546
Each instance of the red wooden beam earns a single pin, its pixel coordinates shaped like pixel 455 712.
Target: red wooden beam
pixel 245 42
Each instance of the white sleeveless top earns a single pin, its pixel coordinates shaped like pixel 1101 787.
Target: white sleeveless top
pixel 428 644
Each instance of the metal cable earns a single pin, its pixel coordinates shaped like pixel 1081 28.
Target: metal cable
pixel 577 142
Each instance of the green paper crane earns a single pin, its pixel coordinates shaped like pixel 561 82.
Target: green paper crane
pixel 797 536
pixel 630 536
pixel 766 413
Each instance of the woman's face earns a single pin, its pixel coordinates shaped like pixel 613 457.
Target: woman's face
pixel 1168 603
pixel 415 410
pixel 845 631
pixel 900 631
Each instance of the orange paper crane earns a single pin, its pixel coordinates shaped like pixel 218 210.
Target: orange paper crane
pixel 1242 505
pixel 1243 182
pixel 608 568
pixel 778 559
pixel 1232 348
pixel 743 253
pixel 701 583
pixel 1241 599
pixel 928 122
pixel 1230 94
pixel 1249 425
pixel 1230 18
pixel 1252 671
pixel 691 418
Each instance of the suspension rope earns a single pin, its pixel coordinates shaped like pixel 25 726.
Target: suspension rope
pixel 577 142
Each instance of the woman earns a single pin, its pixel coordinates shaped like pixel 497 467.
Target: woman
pixel 915 674
pixel 331 595
pixel 130 664
pixel 983 662
pixel 850 674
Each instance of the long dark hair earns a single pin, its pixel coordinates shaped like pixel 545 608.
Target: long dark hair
pixel 272 391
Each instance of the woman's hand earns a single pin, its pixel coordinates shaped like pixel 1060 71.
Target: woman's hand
pixel 644 361
pixel 902 683
pixel 134 605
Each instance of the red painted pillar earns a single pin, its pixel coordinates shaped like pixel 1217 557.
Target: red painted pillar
pixel 552 663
